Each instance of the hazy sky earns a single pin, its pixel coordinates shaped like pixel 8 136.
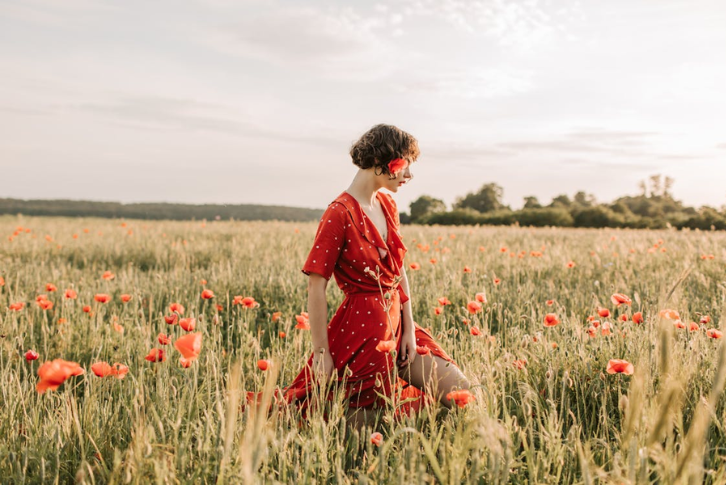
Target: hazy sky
pixel 259 101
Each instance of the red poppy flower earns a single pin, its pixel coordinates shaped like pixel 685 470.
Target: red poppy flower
pixel 520 363
pixel 118 327
pixel 481 297
pixel 102 369
pixel 377 438
pixel 432 260
pixel 107 275
pixel 45 304
pixel 40 298
pixel 2 281
pixel 713 333
pixel 669 314
pixel 474 330
pixel 249 302
pixel 177 307
pixel 163 339
pixel 638 317
pixel 276 316
pixel 156 355
pixel 497 281
pixel 603 312
pixel 52 374
pixel 282 334
pixel 551 320
pixel 31 355
pixel 444 301
pixel 679 324
pixel 503 249
pixel 624 317
pixel 414 266
pixel 473 307
pixel 207 294
pixel 263 364
pixel 705 319
pixel 188 324
pixel 550 302
pixel 570 264
pixel 422 350
pixel 70 294
pixel 189 346
pixel 219 307
pixel 87 309
pixel 461 398
pixel 618 366
pixel 605 330
pixel 102 298
pixel 302 322
pixel 171 319
pixel 592 332
pixel 620 299
pixel 467 269
pixel 50 287
pixel 396 165
pixel 386 345
pixel 438 310
pixel 693 326
pixel 125 298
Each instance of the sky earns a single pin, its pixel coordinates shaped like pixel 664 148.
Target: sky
pixel 254 101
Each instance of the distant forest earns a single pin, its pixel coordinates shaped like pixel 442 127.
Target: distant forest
pixel 157 211
pixel 653 208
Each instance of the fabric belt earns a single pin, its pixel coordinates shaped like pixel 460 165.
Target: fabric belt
pixel 403 296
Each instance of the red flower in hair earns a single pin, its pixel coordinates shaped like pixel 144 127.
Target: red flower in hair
pixel 396 165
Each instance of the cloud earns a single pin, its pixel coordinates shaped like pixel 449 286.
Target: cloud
pixel 335 43
pixel 470 83
pixel 523 25
pixel 50 12
pixel 188 116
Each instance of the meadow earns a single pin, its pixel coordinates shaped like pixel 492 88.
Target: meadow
pixel 546 409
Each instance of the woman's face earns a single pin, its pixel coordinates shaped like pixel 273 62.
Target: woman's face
pixel 402 177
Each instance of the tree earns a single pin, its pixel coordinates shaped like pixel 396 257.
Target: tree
pixel 531 202
pixel 584 200
pixel 655 185
pixel 489 198
pixel 561 201
pixel 424 206
pixel 667 186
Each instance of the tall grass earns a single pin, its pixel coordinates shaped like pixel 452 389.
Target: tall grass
pixel 560 419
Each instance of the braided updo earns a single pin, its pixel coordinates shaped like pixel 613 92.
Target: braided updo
pixel 381 144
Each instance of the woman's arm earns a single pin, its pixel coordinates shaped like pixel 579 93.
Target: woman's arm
pixel 318 312
pixel 407 312
pixel 323 364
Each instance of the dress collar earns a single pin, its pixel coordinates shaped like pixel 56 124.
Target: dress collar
pixel 363 223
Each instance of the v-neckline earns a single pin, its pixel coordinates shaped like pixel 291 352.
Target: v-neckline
pixel 385 217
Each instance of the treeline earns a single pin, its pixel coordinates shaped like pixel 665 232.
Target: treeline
pixel 156 211
pixel 653 208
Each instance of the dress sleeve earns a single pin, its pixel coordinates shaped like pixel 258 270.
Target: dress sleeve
pixel 329 241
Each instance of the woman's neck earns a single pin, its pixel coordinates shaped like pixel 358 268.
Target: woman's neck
pixel 363 188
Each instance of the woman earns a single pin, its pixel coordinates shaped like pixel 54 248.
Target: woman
pixel 358 241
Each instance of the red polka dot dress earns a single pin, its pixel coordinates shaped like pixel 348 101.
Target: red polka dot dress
pixel 346 243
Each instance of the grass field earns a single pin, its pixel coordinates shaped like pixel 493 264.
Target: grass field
pixel 546 409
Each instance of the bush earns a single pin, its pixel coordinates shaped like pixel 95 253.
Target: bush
pixel 546 216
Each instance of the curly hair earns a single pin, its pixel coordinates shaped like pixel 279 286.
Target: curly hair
pixel 381 144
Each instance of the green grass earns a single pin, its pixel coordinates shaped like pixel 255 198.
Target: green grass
pixel 561 419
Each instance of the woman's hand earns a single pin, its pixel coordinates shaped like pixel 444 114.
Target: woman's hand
pixel 408 346
pixel 323 365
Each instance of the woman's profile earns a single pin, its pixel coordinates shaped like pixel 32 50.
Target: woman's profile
pixel 358 240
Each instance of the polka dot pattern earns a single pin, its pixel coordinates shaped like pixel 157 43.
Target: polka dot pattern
pixel 345 243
